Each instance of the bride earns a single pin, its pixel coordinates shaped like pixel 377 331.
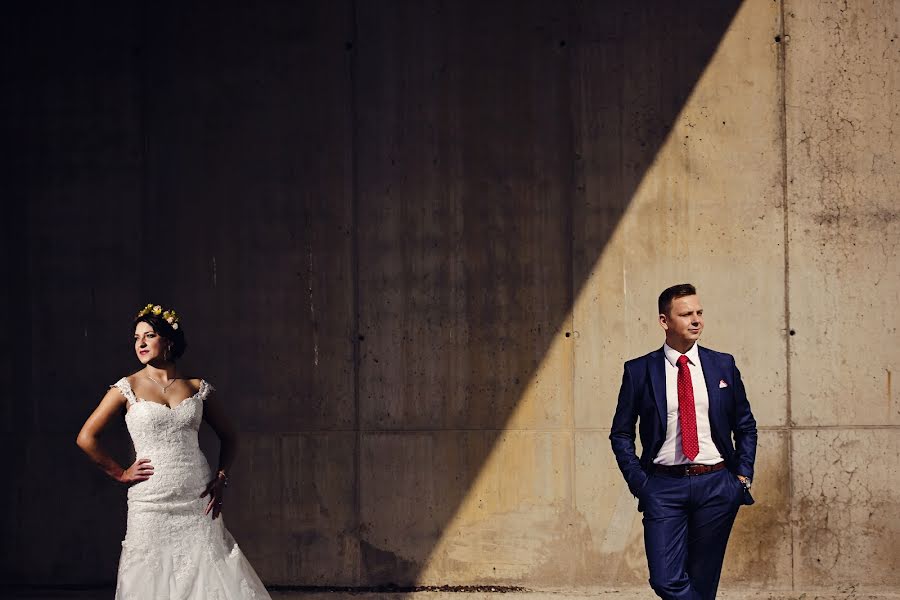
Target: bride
pixel 176 546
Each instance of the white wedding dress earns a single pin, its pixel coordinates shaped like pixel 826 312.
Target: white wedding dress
pixel 171 550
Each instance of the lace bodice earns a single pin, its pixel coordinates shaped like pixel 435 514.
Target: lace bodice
pixel 168 437
pixel 153 425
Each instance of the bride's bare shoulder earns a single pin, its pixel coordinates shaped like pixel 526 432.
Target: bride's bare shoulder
pixel 195 383
pixel 122 389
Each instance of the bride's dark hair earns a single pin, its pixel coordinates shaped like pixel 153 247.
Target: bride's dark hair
pixel 164 329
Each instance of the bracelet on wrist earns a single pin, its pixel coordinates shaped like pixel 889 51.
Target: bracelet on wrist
pixel 221 475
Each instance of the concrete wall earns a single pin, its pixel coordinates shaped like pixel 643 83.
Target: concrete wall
pixel 414 242
pixel 842 93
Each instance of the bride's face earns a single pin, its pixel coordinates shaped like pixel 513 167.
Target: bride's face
pixel 148 345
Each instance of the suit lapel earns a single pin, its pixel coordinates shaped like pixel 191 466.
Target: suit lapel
pixel 658 382
pixel 711 376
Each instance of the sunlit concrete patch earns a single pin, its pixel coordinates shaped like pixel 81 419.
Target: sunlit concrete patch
pixel 759 551
pixel 616 552
pixel 842 98
pixel 546 400
pixel 713 216
pixel 515 521
pixel 708 211
pixel 846 509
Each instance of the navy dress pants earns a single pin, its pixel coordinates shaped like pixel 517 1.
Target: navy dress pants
pixel 687 521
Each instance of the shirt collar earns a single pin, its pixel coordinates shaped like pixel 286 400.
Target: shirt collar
pixel 672 355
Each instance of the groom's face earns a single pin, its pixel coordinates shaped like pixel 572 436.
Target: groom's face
pixel 684 323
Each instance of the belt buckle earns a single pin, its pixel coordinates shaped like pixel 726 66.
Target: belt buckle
pixel 687 471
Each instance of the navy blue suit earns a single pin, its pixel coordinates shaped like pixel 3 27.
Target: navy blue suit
pixel 686 520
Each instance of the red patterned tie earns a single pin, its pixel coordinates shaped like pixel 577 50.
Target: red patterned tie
pixel 687 415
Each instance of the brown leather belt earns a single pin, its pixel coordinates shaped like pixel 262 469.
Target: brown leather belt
pixel 687 470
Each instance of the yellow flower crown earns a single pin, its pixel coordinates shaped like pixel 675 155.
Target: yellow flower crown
pixel 155 309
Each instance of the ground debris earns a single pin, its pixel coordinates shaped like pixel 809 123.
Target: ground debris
pixel 391 588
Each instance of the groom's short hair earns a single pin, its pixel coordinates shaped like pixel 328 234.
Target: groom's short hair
pixel 671 293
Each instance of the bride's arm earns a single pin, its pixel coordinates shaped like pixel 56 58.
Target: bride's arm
pixel 88 441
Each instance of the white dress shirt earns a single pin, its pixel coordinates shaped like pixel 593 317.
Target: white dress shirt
pixel 670 453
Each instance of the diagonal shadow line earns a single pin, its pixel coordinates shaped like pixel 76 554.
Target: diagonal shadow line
pixel 477 133
pixel 476 129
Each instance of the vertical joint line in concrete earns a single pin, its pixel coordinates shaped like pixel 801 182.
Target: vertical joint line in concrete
pixel 354 262
pixel 143 85
pixel 782 65
pixel 574 141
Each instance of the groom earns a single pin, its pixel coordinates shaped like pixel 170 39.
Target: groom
pixel 690 478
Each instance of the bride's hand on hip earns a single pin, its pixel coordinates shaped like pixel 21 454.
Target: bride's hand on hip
pixel 215 489
pixel 141 470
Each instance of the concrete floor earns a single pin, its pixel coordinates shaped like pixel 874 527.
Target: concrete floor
pixel 843 593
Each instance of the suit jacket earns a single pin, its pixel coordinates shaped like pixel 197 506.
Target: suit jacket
pixel 643 396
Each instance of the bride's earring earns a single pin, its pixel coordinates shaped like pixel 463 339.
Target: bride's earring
pixel 168 353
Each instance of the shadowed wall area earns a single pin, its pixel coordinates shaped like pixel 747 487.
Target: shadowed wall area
pixel 413 242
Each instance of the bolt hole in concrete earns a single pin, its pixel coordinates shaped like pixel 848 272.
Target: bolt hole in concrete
pixel 792 332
